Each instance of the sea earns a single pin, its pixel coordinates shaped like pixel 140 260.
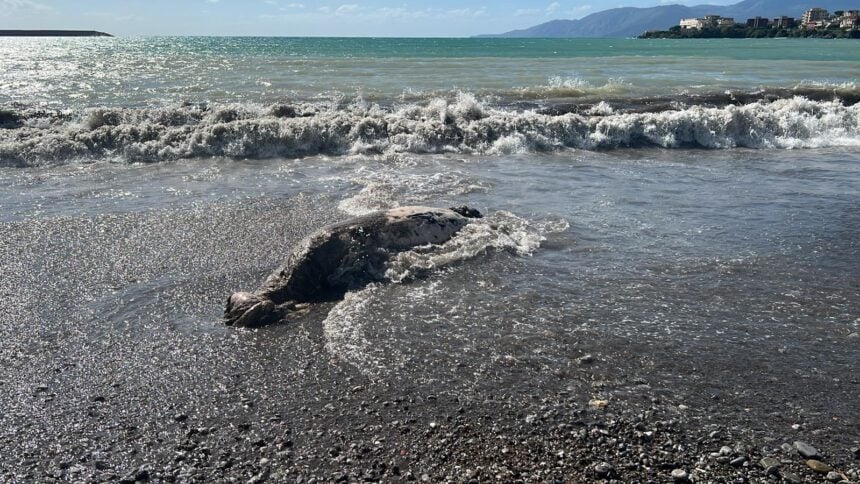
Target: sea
pixel 684 214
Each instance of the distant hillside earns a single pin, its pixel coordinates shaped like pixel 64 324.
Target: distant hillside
pixel 630 21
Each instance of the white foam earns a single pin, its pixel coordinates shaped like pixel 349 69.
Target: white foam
pixel 344 330
pixel 347 324
pixel 498 231
pixel 389 188
pixel 464 125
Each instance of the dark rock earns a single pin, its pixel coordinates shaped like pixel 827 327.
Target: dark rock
pixel 604 469
pixel 806 450
pixel 680 475
pixel 737 462
pixel 142 475
pixel 283 111
pixel 9 120
pixel 770 465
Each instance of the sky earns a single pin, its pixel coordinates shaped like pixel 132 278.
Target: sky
pixel 346 18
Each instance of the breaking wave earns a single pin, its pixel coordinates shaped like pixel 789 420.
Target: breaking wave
pixel 465 125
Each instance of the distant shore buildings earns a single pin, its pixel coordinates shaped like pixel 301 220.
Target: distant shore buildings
pixel 708 21
pixel 814 18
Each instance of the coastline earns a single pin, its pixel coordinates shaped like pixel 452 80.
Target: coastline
pixel 752 33
pixel 53 33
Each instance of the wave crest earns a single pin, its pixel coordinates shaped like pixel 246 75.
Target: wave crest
pixel 464 125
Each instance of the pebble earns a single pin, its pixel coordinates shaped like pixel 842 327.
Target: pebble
pixel 769 462
pixel 725 450
pixel 680 475
pixel 855 451
pixel 791 477
pixel 586 360
pixel 833 476
pixel 603 469
pixel 738 462
pixel 806 450
pixel 818 466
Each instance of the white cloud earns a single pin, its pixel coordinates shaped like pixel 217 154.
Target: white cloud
pixel 346 9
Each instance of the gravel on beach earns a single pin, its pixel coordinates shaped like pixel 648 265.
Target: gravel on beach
pixel 115 368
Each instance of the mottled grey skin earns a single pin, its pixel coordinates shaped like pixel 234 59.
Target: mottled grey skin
pixel 341 257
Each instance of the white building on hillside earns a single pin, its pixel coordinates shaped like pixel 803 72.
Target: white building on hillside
pixel 814 16
pixel 706 21
pixel 850 20
pixel 692 23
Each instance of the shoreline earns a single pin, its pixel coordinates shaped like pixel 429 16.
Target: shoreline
pixel 751 33
pixel 53 33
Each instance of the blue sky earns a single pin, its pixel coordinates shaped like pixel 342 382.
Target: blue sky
pixel 415 18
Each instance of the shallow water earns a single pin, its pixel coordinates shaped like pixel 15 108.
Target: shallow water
pixel 741 261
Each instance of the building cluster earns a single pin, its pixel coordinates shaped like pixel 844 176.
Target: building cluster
pixel 814 18
pixel 708 21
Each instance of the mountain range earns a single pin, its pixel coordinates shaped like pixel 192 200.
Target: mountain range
pixel 631 21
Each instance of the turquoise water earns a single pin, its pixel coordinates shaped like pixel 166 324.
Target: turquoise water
pixel 159 71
